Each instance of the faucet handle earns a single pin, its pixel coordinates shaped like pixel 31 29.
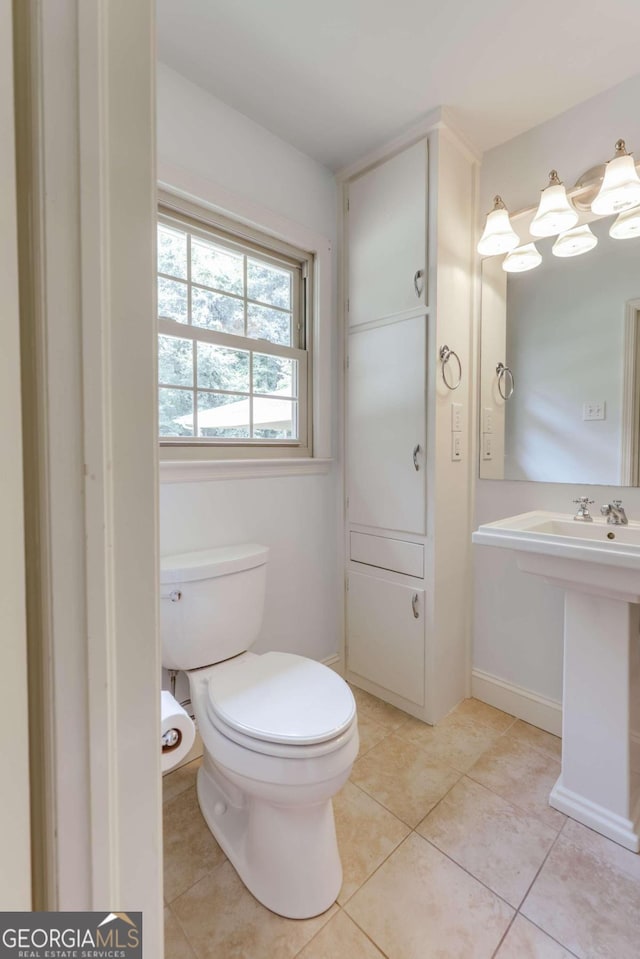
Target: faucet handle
pixel 583 514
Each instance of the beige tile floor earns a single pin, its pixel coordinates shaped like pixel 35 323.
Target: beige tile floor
pixel 449 848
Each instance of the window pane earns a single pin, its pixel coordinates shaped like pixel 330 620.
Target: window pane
pixel 274 419
pixel 172 300
pixel 176 412
pixel 268 284
pixel 215 311
pixel 175 361
pixel 172 252
pixel 273 374
pixel 220 368
pixel 223 416
pixel 266 324
pixel 213 266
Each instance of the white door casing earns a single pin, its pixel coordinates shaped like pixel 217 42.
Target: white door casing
pixel 15 843
pixel 88 145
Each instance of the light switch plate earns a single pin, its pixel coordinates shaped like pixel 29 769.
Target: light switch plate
pixel 487 419
pixel 456 417
pixel 594 410
pixel 487 446
pixel 456 446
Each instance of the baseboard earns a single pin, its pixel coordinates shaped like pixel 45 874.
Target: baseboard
pixel 523 703
pixel 335 662
pixel 607 823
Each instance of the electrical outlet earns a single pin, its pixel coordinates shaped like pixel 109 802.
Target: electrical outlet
pixel 487 446
pixel 456 447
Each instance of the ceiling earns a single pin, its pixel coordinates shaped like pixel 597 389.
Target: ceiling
pixel 337 78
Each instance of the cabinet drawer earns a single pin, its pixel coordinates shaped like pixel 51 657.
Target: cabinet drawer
pixel 393 554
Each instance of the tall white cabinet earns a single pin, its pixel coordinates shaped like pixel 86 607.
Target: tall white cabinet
pixel 408 267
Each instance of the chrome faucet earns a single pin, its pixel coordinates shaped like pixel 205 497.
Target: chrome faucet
pixel 615 513
pixel 583 515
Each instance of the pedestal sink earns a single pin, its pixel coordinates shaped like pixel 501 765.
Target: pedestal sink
pixel 598 565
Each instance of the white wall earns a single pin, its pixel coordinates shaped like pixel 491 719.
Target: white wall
pixel 299 517
pixel 518 619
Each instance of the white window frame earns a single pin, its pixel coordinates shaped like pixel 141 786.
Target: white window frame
pixel 200 222
pixel 185 190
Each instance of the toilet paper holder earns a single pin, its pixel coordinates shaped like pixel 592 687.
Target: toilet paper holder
pixel 171 739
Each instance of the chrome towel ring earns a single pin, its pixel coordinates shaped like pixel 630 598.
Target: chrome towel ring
pixel 503 371
pixel 445 356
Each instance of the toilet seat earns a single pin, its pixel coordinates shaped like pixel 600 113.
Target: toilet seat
pixel 280 704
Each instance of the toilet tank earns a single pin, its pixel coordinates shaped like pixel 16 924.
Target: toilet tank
pixel 211 604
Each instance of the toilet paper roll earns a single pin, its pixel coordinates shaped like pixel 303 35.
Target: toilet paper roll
pixel 177 731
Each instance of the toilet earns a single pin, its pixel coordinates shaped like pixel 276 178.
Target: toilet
pixel 279 731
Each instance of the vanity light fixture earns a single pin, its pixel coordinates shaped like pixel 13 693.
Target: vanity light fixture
pixel 554 213
pixel 620 188
pixel 499 236
pixel 522 259
pixel 575 242
pixel 627 225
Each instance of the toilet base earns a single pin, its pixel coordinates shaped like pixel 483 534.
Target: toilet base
pixel 286 855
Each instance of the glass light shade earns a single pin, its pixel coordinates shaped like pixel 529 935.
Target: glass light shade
pixel 575 242
pixel 522 259
pixel 627 225
pixel 499 235
pixel 554 213
pixel 620 188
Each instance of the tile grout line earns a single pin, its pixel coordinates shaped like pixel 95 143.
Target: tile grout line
pixel 504 936
pixel 184 932
pixel 533 882
pixel 521 809
pixel 351 919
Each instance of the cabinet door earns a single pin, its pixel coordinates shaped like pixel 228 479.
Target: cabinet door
pixel 386 426
pixel 385 637
pixel 386 225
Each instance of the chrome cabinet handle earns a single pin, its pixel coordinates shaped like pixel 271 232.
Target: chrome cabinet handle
pixel 414 606
pixel 417 285
pixel 416 450
pixel 502 371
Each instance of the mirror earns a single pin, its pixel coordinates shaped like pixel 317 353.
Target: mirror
pixel 568 333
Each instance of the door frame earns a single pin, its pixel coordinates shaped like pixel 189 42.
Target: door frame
pixel 86 214
pixel 15 830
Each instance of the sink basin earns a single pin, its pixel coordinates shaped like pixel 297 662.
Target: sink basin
pixel 598 565
pixel 599 557
pixel 560 535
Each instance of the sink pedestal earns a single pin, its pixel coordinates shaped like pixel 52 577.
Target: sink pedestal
pixel 600 780
pixel 598 566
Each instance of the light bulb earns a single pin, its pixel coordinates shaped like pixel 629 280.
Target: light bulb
pixel 554 213
pixel 620 188
pixel 575 242
pixel 499 235
pixel 627 225
pixel 522 259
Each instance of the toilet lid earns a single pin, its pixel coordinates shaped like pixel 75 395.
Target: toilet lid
pixel 281 698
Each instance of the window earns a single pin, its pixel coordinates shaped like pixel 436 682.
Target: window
pixel 233 328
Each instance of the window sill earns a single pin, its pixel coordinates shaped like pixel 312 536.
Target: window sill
pixel 198 471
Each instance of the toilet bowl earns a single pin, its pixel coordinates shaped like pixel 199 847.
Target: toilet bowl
pixel 279 731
